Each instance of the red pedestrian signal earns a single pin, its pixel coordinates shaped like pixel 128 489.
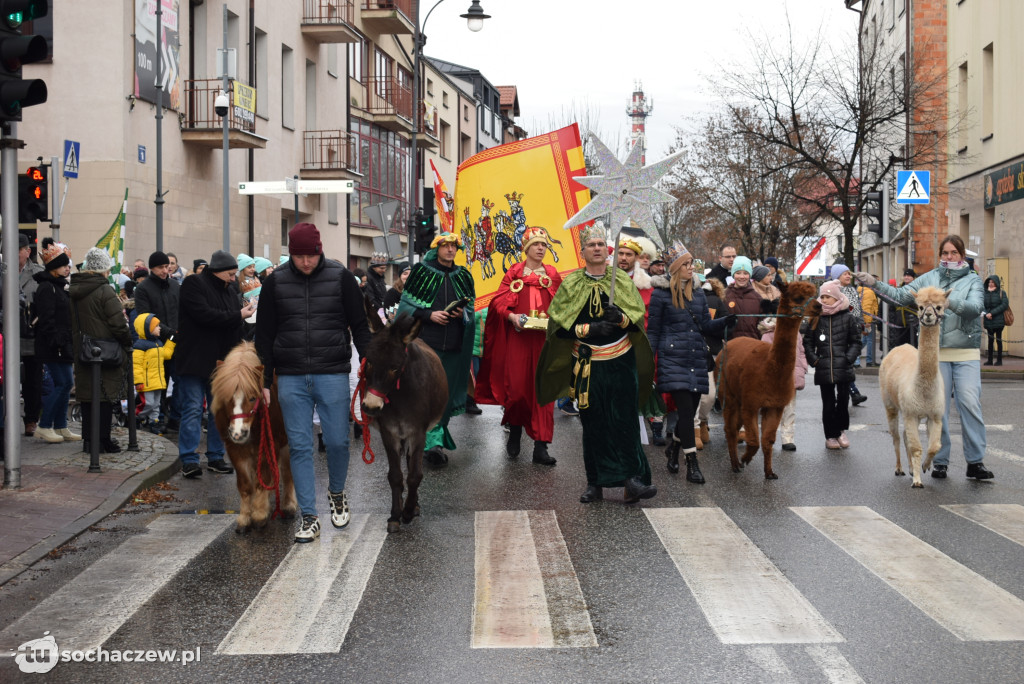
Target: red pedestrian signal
pixel 34 195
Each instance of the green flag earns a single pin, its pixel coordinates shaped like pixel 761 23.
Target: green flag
pixel 112 241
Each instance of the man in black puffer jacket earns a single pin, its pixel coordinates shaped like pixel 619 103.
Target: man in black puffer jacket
pixel 211 324
pixel 308 308
pixel 158 295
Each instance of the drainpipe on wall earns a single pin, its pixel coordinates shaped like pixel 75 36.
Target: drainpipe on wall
pixel 251 161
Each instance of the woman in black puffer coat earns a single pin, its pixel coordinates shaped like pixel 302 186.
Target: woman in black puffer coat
pixel 994 319
pixel 832 345
pixel 52 309
pixel 678 314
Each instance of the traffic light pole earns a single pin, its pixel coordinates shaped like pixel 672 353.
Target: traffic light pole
pixel 9 146
pixel 884 218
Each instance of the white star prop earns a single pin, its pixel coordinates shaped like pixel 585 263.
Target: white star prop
pixel 626 191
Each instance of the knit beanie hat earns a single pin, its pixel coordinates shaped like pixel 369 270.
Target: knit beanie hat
pixel 145 326
pixel 140 273
pixel 741 263
pixel 758 273
pixel 283 260
pixel 403 267
pixel 772 261
pixel 221 261
pixel 196 263
pixel 55 255
pixel 304 240
pixel 838 270
pixel 158 259
pixel 245 261
pixel 379 259
pixel 97 260
pixel 263 264
pixel 835 290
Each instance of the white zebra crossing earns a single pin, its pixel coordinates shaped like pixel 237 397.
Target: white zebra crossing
pixel 745 597
pixel 956 597
pixel 86 611
pixel 527 594
pixel 1003 519
pixel 313 594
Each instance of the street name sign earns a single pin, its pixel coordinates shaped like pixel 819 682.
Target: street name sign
pixel 303 187
pixel 913 187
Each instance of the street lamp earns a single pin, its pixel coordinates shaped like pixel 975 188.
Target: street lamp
pixel 474 17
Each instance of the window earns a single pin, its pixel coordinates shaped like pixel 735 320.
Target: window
pixel 262 75
pixel 332 60
pixel 446 132
pixel 383 159
pixel 310 95
pixel 465 112
pixel 444 100
pixel 987 65
pixel 430 87
pixel 382 66
pixel 287 87
pixel 965 228
pixel 989 245
pixel 357 60
pixel 961 111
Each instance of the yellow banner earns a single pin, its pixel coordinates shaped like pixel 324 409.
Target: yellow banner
pixel 502 191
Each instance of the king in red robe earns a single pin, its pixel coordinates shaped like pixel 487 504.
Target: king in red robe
pixel 512 346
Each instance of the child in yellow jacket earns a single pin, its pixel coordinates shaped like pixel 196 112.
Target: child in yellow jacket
pixel 148 357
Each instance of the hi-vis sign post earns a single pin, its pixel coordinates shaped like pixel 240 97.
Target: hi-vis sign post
pixel 810 256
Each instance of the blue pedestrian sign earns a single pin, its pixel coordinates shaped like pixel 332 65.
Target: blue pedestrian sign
pixel 913 187
pixel 72 152
pixel 142 154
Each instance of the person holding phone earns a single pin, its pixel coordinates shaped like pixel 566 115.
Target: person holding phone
pixel 441 295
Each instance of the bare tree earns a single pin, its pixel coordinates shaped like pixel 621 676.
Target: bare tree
pixel 825 108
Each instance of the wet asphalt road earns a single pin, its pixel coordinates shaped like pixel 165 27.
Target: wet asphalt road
pixel 415 619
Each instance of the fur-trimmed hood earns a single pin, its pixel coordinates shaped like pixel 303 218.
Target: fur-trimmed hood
pixel 641 279
pixel 660 281
pixel 715 285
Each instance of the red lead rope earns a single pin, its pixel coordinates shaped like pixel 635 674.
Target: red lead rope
pixel 268 455
pixel 364 422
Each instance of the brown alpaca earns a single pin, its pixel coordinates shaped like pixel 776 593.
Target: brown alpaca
pixel 911 385
pixel 758 378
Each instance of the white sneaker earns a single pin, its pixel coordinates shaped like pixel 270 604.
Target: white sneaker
pixel 68 435
pixel 340 516
pixel 49 435
pixel 309 529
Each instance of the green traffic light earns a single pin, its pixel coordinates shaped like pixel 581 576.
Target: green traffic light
pixel 14 19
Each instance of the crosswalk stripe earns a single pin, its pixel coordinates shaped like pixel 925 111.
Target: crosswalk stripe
pixel 956 597
pixel 1006 455
pixel 1003 519
pixel 771 664
pixel 307 604
pixel 527 594
pixel 746 599
pixel 837 669
pixel 86 611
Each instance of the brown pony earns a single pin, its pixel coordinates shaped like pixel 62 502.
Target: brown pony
pixel 237 387
pixel 406 392
pixel 757 377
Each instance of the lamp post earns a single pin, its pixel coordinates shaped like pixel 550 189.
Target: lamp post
pixel 474 17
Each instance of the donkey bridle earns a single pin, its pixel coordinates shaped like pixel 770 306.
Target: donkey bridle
pixel 398 381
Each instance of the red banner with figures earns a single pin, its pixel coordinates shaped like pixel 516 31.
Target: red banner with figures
pixel 443 200
pixel 502 191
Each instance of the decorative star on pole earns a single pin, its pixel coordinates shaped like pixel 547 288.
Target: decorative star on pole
pixel 626 191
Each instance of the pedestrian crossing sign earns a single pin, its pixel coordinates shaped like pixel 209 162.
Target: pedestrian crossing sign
pixel 913 187
pixel 71 153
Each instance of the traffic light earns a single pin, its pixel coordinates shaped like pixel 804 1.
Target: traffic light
pixel 877 208
pixel 34 195
pixel 17 93
pixel 423 226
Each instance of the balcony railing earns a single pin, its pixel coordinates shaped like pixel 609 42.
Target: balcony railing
pixel 387 96
pixel 331 150
pixel 199 112
pixel 329 21
pixel 403 6
pixel 389 16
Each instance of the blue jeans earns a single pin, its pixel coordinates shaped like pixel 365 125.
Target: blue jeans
pixel 298 394
pixel 192 389
pixel 55 405
pixel 963 379
pixel 868 339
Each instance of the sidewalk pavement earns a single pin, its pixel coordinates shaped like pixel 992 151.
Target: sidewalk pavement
pixel 59 499
pixel 1012 369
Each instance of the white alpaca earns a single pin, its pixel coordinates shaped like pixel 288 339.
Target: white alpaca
pixel 911 385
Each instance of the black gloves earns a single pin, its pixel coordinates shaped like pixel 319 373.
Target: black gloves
pixel 730 321
pixel 613 314
pixel 604 328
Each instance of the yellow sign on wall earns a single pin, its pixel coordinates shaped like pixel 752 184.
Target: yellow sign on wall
pixel 502 191
pixel 245 102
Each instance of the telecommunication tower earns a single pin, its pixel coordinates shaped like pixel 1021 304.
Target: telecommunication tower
pixel 638 109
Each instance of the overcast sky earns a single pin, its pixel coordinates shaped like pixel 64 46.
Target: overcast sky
pixel 586 54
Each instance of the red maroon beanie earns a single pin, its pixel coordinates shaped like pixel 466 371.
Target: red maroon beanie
pixel 304 239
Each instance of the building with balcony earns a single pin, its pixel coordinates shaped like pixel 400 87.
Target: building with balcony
pixel 508 99
pixel 102 94
pixel 490 128
pixel 986 168
pixel 451 110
